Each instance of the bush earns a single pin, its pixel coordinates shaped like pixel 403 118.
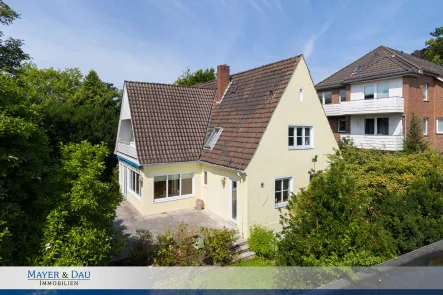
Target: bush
pixel 262 241
pixel 218 244
pixel 177 248
pixel 142 251
pixel 367 207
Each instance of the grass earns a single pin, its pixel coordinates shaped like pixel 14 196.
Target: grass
pixel 256 261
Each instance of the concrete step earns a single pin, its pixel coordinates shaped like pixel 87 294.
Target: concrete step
pixel 240 249
pixel 239 242
pixel 245 256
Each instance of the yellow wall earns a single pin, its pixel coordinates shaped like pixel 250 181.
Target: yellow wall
pixel 146 204
pixel 217 197
pixel 273 158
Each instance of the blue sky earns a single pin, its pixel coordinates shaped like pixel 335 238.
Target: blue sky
pixel 155 40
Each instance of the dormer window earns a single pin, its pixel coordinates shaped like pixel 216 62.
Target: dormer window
pixel 212 139
pixel 358 68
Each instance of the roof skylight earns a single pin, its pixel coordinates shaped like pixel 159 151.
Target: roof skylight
pixel 215 134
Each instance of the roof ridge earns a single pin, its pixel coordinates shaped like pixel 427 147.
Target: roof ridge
pixel 269 64
pixel 393 51
pixel 168 84
pixel 413 58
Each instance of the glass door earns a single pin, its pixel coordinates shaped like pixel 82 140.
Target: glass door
pixel 234 200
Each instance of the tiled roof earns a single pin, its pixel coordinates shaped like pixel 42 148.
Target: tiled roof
pixel 169 121
pixel 380 62
pixel 245 112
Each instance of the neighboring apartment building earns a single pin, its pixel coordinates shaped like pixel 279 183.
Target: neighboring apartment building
pixel 372 99
pixel 242 143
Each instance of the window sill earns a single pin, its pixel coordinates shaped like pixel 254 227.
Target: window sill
pixel 341 131
pixel 426 100
pixel 280 205
pixel 162 200
pixel 134 194
pixel 301 148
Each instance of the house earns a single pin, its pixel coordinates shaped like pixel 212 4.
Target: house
pixel 242 143
pixel 371 100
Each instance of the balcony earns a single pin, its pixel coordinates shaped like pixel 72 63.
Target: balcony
pixel 127 148
pixel 380 142
pixel 366 106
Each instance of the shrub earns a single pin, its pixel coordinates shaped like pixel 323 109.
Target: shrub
pixel 262 241
pixel 142 251
pixel 218 244
pixel 177 248
pixel 368 206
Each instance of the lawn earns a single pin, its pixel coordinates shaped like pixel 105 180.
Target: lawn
pixel 256 261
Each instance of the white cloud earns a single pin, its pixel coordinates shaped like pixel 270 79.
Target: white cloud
pixel 308 48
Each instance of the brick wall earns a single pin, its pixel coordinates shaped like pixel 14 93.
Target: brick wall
pixel 333 121
pixel 432 109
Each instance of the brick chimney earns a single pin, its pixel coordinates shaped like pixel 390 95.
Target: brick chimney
pixel 222 80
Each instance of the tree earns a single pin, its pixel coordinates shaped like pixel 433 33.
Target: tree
pixel 200 76
pixel 11 53
pixel 96 92
pixel 414 141
pixel 434 49
pixel 79 229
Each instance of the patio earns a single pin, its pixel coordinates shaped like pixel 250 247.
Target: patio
pixel 129 220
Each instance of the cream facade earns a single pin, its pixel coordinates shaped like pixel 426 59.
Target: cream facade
pixel 279 167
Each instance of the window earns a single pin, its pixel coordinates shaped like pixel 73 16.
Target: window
pixel 325 97
pixel 425 126
pixel 301 94
pixel 382 126
pixel 134 182
pixel 382 90
pixel 341 125
pixel 342 94
pixel 205 178
pixel 283 189
pixel 213 138
pixel 358 68
pixel 369 91
pixel 439 126
pixel 370 126
pixel 173 186
pixel 425 92
pixel 300 137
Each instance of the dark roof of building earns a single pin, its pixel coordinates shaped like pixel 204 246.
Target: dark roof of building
pixel 245 112
pixel 171 123
pixel 379 63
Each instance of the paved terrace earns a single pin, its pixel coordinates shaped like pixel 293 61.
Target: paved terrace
pixel 129 220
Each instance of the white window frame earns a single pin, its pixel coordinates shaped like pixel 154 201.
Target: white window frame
pixel 425 92
pixel 436 127
pixel 375 90
pixel 338 125
pixel 180 197
pixel 213 137
pixel 133 192
pixel 323 97
pixel 291 190
pixel 375 125
pixel 203 178
pixel 301 147
pixel 301 94
pixel 425 126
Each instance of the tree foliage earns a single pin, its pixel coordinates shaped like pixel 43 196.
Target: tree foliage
pixel 57 197
pixel 200 76
pixel 434 49
pixel 79 228
pixel 414 141
pixel 369 206
pixel 11 52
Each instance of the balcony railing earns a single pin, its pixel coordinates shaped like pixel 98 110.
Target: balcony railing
pixel 127 148
pixel 366 106
pixel 380 142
